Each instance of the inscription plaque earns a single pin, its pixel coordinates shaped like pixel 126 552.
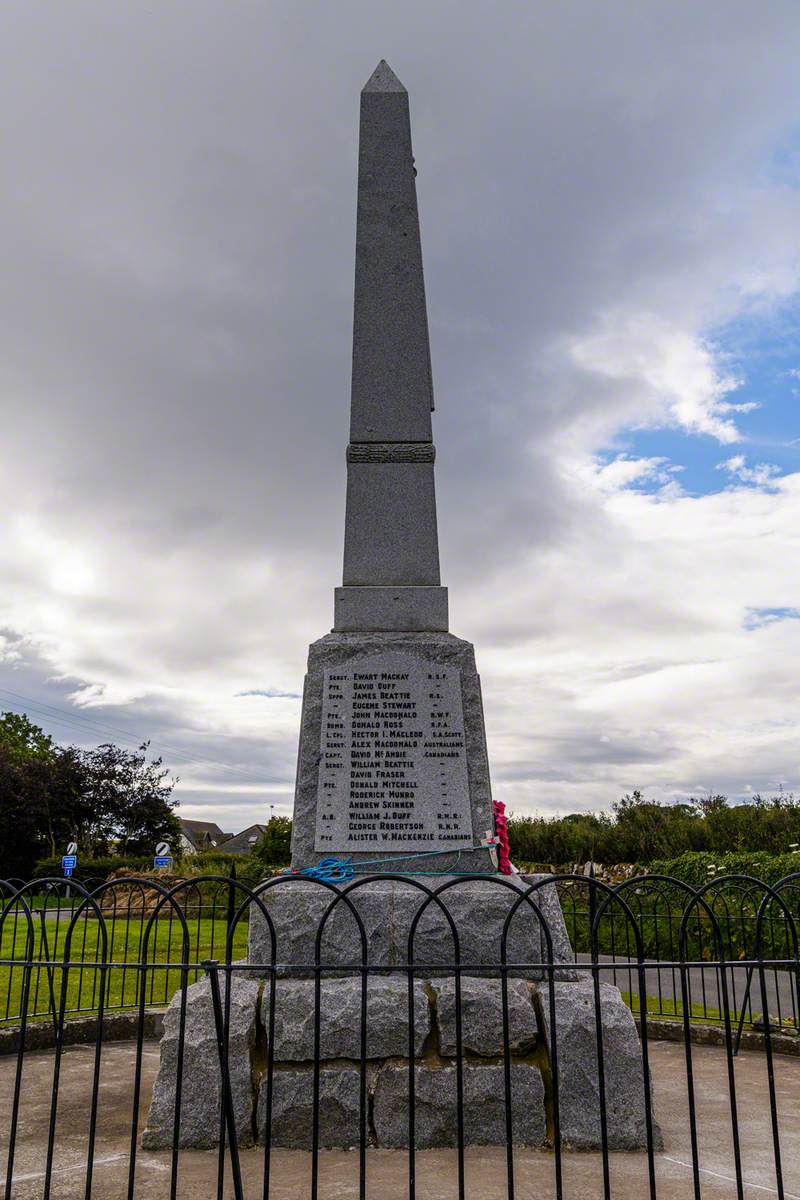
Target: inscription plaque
pixel 393 766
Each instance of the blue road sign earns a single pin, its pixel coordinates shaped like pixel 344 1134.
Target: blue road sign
pixel 69 862
pixel 163 860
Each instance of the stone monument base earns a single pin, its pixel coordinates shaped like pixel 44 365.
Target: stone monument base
pixel 291 1096
pixel 404 1026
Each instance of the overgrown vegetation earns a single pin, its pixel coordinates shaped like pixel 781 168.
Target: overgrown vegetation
pixel 698 867
pixel 92 868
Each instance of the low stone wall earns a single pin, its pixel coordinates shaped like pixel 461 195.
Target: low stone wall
pixel 661 1030
pixel 124 1026
pixel 78 1031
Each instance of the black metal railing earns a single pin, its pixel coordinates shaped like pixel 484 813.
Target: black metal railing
pixel 742 915
pixel 306 1019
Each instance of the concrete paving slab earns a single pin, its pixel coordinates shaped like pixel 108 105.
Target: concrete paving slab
pixel 387 1170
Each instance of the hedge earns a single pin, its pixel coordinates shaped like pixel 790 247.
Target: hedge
pixel 91 868
pixel 693 866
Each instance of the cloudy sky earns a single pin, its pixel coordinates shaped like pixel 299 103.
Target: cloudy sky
pixel 610 206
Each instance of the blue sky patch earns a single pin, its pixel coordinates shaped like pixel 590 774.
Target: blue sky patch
pixel 757 618
pixel 763 350
pixel 271 694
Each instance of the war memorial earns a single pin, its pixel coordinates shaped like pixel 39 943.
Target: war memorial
pixel 354 972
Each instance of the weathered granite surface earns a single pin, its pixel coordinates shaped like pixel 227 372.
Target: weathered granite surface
pixel 391 525
pixel 435 1106
pixel 387 907
pixel 482 1016
pixel 201 1083
pixel 392 391
pixel 387 1065
pixel 387 609
pixel 337 650
pixel 293 1108
pixel 577 1064
pixel 340 1018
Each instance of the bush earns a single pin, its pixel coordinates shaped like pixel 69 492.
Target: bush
pixel 214 862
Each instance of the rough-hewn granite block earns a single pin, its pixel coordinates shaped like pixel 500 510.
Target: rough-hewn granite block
pixel 340 1018
pixel 201 1087
pixel 387 908
pixel 482 1016
pixel 484 1106
pixel 293 1108
pixel 577 1066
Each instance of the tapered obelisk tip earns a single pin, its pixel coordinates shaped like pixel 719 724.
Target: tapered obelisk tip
pixel 383 79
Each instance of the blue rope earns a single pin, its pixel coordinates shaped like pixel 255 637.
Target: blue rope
pixel 340 870
pixel 330 870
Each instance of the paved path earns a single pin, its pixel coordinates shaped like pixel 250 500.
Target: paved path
pixel 387 1169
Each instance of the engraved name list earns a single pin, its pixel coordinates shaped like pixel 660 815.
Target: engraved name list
pixel 393 769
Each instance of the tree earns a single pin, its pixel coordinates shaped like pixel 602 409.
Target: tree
pixel 107 799
pixel 126 802
pixel 19 820
pixel 274 849
pixel 40 784
pixel 57 784
pixel 21 741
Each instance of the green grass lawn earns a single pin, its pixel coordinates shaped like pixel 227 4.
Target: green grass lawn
pixel 666 1006
pixel 207 939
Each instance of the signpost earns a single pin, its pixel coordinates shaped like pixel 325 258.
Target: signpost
pixel 69 861
pixel 163 858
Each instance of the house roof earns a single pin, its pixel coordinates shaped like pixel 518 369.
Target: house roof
pixel 241 844
pixel 203 834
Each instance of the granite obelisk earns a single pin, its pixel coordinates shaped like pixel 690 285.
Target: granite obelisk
pixel 391 550
pixel 392 757
pixel 392 765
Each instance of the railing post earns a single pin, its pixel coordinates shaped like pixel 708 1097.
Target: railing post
pixel 231 898
pixel 743 1013
pixel 49 972
pixel 211 967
